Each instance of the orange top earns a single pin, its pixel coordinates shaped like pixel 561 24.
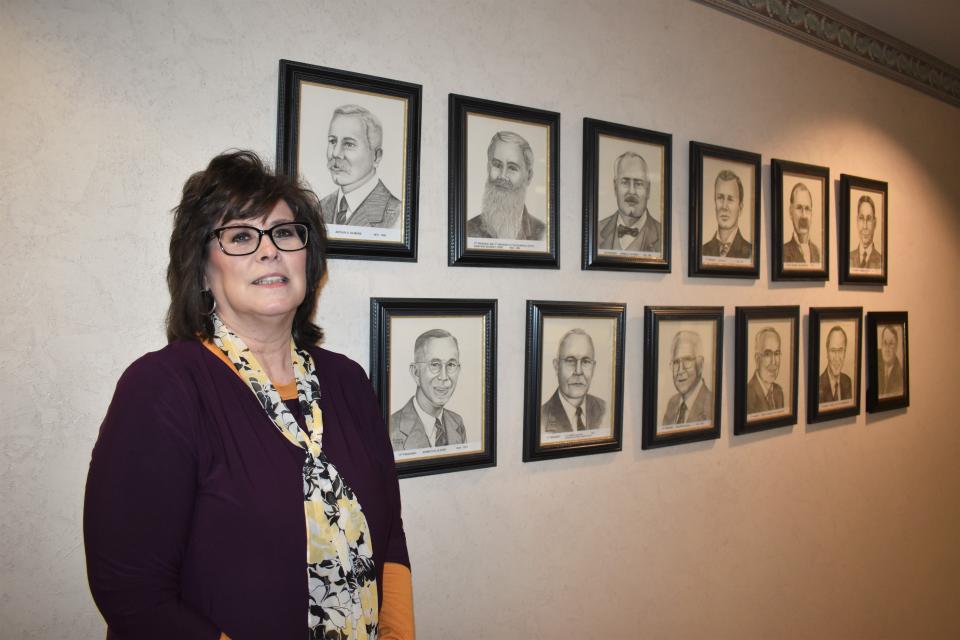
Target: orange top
pixel 396 592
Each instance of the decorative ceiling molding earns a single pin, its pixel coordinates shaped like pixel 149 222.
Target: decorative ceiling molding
pixel 833 31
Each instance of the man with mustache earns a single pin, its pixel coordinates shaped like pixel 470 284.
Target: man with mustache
pixel 834 384
pixel 353 155
pixel 890 370
pixel 728 202
pixel 631 228
pixel 693 401
pixel 763 392
pixel 866 255
pixel 571 408
pixel 799 249
pixel 503 212
pixel 424 421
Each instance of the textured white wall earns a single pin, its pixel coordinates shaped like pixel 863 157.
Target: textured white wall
pixel 845 530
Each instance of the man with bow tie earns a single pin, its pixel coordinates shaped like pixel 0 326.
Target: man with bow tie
pixel 631 228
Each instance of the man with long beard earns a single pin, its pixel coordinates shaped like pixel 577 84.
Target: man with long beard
pixel 503 213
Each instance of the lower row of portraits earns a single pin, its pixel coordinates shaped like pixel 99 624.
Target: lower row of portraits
pixel 433 364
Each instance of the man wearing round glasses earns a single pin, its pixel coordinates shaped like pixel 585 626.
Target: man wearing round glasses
pixel 693 401
pixel 423 421
pixel 571 408
pixel 763 392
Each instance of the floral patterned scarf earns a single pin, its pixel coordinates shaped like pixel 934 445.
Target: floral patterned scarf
pixel 341 575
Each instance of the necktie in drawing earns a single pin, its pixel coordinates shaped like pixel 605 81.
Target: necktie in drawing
pixel 836 393
pixel 623 230
pixel 863 259
pixel 439 434
pixel 342 212
pixel 580 425
pixel 682 414
pixel 724 249
pixel 770 398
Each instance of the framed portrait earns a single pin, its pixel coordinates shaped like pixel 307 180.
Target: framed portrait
pixel 504 184
pixel 355 140
pixel 765 392
pixel 833 369
pixel 626 197
pixel 573 396
pixel 863 231
pixel 799 221
pixel 724 212
pixel 682 365
pixel 433 365
pixel 888 362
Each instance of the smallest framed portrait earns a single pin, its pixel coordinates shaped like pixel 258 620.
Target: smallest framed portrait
pixel 626 197
pixel 504 181
pixel 433 366
pixel 888 363
pixel 724 212
pixel 355 139
pixel 799 221
pixel 573 400
pixel 682 373
pixel 765 392
pixel 833 369
pixel 863 230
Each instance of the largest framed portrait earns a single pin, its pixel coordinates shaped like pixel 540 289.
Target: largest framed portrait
pixel 355 140
pixel 573 400
pixel 682 374
pixel 504 184
pixel 433 365
pixel 626 197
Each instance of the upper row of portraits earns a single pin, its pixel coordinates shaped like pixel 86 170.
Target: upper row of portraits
pixel 504 168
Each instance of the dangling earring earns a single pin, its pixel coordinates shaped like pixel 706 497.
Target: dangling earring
pixel 213 307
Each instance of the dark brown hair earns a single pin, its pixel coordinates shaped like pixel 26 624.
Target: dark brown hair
pixel 236 186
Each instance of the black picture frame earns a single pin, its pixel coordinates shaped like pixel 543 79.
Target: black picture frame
pixel 821 405
pixel 658 335
pixel 755 406
pixel 394 325
pixel 851 270
pixel 787 261
pixel 475 118
pixel 600 226
pixel 386 227
pixel 584 330
pixel 743 259
pixel 879 396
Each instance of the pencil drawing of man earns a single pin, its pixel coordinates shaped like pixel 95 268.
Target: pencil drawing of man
pixel 866 256
pixel 728 204
pixel 763 392
pixel 571 407
pixel 631 227
pixel 800 249
pixel 834 383
pixel 693 401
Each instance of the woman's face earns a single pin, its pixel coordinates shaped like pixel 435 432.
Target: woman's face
pixel 262 287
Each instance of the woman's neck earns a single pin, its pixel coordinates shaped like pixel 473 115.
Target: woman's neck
pixel 269 343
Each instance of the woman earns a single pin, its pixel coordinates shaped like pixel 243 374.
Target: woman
pixel 241 444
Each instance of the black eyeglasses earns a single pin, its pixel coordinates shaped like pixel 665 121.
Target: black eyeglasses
pixel 242 240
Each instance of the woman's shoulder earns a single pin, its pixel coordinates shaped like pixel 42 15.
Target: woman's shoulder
pixel 158 369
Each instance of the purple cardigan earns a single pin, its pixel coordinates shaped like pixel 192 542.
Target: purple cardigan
pixel 193 520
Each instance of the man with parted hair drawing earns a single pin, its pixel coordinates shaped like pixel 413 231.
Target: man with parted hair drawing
pixel 354 151
pixel 424 421
pixel 693 401
pixel 834 383
pixel 763 392
pixel 571 407
pixel 866 256
pixel 631 227
pixel 800 249
pixel 503 213
pixel 728 203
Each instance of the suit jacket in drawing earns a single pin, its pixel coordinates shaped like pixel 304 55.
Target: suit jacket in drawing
pixel 758 401
pixel 647 239
pixel 874 259
pixel 530 227
pixel 407 431
pixel 739 247
pixel 701 408
pixel 892 385
pixel 553 419
pixel 826 389
pixel 792 253
pixel 379 209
